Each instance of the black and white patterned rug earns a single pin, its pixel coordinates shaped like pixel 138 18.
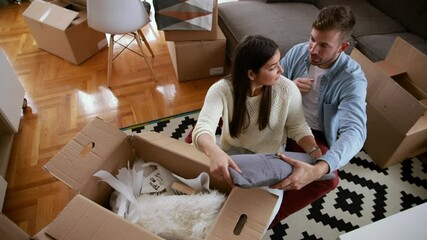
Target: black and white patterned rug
pixel 364 195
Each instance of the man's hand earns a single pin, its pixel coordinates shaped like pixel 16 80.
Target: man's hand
pixel 302 174
pixel 304 84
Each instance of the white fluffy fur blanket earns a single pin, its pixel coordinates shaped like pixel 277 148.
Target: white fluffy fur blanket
pixel 179 216
pixel 176 217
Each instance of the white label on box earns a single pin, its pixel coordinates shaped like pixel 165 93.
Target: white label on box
pixel 216 71
pixel 102 43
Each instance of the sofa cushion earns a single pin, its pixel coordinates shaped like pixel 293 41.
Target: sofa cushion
pixel 369 20
pixel 411 14
pixel 376 47
pixel 238 19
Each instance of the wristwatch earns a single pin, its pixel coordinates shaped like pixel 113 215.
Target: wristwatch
pixel 313 149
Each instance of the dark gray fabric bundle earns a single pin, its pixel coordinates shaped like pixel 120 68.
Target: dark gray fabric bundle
pixel 260 170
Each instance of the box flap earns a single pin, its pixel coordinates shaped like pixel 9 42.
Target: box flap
pixel 398 106
pixel 50 14
pixel 413 61
pixel 388 97
pixel 9 230
pixel 376 80
pixel 255 204
pixel 77 161
pixel 390 69
pixel 41 235
pixel 84 219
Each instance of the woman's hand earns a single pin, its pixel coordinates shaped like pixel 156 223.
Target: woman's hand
pixel 219 160
pixel 219 163
pixel 302 174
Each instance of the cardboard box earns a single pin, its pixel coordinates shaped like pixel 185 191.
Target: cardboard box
pixel 61 29
pixel 396 104
pixel 110 149
pixel 189 35
pixel 198 59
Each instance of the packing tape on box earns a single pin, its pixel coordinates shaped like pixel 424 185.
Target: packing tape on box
pixel 45 14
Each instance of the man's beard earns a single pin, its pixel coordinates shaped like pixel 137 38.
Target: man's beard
pixel 315 61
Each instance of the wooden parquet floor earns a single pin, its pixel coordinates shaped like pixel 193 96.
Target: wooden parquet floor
pixel 63 98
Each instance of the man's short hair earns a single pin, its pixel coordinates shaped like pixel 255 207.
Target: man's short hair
pixel 336 17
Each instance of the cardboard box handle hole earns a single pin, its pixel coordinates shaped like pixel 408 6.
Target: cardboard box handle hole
pixel 240 224
pixel 87 149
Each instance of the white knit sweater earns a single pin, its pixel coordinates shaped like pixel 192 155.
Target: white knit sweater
pixel 286 119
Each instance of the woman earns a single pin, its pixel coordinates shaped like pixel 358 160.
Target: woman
pixel 259 107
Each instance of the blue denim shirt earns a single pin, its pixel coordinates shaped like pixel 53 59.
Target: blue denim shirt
pixel 342 103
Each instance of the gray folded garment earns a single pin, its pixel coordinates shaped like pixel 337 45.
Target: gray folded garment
pixel 260 170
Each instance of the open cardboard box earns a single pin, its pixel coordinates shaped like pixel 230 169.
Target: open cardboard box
pixel 396 104
pixel 100 146
pixel 61 28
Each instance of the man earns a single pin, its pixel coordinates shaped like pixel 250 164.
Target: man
pixel 333 89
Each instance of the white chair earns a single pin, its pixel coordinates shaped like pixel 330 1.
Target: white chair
pixel 119 17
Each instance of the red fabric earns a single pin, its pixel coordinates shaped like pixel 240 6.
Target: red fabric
pixel 295 200
pixel 189 137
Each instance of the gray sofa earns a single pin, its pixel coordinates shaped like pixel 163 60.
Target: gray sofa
pixel 288 22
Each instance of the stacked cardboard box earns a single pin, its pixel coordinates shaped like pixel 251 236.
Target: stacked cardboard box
pixel 100 146
pixel 396 104
pixel 197 54
pixel 61 28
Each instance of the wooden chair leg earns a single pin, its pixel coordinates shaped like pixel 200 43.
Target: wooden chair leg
pixel 138 40
pixel 146 42
pixel 110 59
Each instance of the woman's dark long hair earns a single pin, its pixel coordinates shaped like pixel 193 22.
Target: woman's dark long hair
pixel 251 54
